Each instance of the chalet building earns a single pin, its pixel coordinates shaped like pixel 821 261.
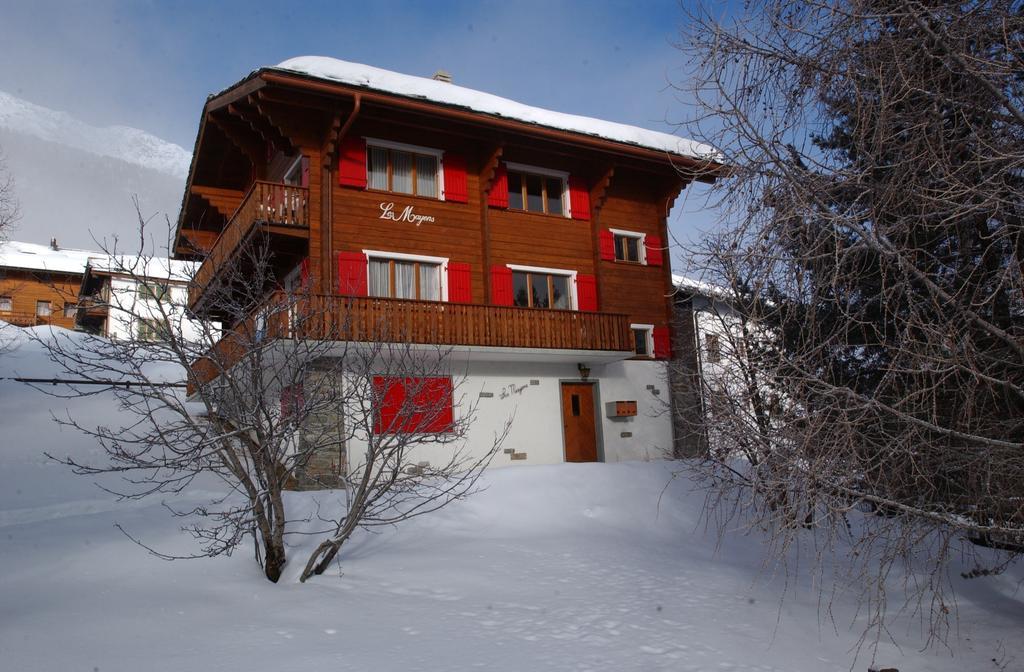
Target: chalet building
pixel 39 283
pixel 113 302
pixel 531 242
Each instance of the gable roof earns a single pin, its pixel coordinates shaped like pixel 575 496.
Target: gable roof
pixel 378 79
pixel 30 256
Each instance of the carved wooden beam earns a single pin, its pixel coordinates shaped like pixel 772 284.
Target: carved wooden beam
pixel 241 136
pixel 293 123
pixel 331 140
pixel 250 115
pixel 490 168
pixel 599 193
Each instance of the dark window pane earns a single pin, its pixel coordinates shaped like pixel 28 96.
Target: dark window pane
pixel 515 191
pixel 576 405
pixel 539 288
pixel 632 249
pixel 520 292
pixel 534 195
pixel 560 292
pixel 620 253
pixel 640 341
pixel 554 187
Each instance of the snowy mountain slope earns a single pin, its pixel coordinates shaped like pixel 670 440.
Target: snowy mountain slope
pixel 123 143
pixel 77 196
pixel 76 182
pixel 565 567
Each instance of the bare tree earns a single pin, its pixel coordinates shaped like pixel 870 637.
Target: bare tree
pixel 873 232
pixel 10 211
pixel 283 398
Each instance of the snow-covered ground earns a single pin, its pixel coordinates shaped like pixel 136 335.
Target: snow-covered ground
pixel 567 567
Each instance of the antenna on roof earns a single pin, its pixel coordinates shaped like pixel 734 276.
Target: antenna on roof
pixel 53 244
pixel 443 76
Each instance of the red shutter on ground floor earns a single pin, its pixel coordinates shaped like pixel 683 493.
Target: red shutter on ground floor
pixel 352 162
pixel 501 285
pixel 413 405
pixel 293 398
pixel 653 245
pixel 455 187
pixel 579 198
pixel 498 198
pixel 460 284
pixel 352 273
pixel 304 273
pixel 662 343
pixel 606 245
pixel 586 293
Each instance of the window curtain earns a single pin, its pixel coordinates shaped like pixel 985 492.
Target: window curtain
pixel 405 280
pixel 401 172
pixel 378 174
pixel 380 284
pixel 426 176
pixel 430 282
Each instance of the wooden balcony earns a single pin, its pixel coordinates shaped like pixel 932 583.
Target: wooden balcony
pixel 268 208
pixel 368 319
pixel 33 320
pixel 441 323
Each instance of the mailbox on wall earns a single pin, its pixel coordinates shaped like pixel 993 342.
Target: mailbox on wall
pixel 621 409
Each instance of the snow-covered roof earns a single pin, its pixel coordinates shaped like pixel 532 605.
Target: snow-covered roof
pixel 34 257
pixel 30 256
pixel 157 268
pixel 357 74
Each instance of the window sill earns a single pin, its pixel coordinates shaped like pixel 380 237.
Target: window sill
pixel 537 214
pixel 398 194
pixel 629 263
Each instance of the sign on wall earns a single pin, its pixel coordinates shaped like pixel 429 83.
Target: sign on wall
pixel 406 214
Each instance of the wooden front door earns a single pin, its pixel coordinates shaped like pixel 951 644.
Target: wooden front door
pixel 578 422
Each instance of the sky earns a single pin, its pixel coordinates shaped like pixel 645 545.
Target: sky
pixel 151 65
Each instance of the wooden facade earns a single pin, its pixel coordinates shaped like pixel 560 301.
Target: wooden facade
pixel 274 155
pixel 38 297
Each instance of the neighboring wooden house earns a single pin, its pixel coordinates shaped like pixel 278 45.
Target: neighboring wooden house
pixel 538 238
pixel 39 283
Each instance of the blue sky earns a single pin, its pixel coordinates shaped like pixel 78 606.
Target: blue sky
pixel 152 64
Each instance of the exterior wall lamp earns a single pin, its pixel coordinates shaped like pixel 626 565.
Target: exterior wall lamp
pixel 584 370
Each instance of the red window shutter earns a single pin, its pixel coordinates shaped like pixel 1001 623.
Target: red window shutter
pixel 293 398
pixel 460 287
pixel 498 198
pixel 352 162
pixel 305 172
pixel 304 273
pixel 662 343
pixel 606 245
pixel 653 245
pixel 501 285
pixel 579 198
pixel 413 405
pixel 352 273
pixel 586 293
pixel 456 188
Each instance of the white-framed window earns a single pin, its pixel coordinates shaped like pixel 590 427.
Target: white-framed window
pixel 536 287
pixel 401 168
pixel 629 246
pixel 536 189
pixel 643 339
pixel 6 304
pixel 70 309
pixel 293 175
pixel 43 308
pixel 406 276
pixel 152 330
pixel 153 291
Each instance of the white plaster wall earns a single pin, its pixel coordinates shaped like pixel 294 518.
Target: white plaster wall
pixel 537 411
pixel 126 308
pixel 649 433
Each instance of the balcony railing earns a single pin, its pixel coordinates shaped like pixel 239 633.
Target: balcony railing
pixel 442 323
pixel 369 319
pixel 33 320
pixel 274 207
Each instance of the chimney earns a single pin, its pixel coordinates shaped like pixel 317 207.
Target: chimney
pixel 53 244
pixel 443 76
